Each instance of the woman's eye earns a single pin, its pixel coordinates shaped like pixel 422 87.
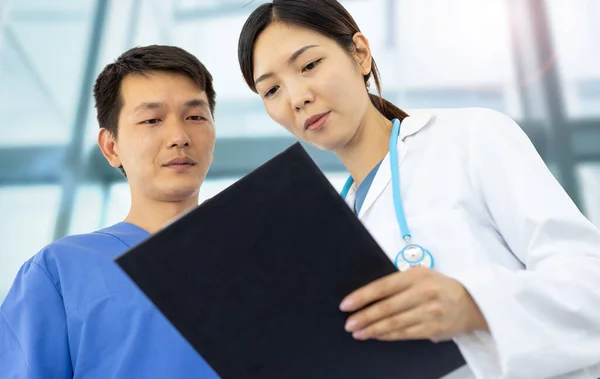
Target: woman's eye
pixel 311 65
pixel 271 91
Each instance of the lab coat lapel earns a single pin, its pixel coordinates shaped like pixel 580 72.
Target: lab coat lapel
pixel 409 126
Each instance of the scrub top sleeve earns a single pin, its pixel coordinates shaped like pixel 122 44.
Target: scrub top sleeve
pixel 33 332
pixel 544 320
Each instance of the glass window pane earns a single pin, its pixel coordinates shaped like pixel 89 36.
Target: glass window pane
pixel 589 176
pixel 218 54
pixel 88 209
pixel 118 204
pixel 27 223
pixel 451 54
pixel 153 23
pixel 576 36
pixel 40 80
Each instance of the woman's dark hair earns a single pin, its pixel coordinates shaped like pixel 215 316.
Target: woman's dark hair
pixel 327 17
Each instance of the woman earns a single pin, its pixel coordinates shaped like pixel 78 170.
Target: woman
pixel 510 268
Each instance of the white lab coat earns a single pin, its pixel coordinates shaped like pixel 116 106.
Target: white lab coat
pixel 480 198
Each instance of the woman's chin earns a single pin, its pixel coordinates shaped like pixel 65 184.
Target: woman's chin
pixel 328 144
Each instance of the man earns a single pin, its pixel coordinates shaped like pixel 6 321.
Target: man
pixel 71 311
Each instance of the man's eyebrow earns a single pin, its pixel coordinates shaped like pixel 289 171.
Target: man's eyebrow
pixel 148 106
pixel 196 103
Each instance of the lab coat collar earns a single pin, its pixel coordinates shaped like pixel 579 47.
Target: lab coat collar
pixel 414 123
pixel 410 126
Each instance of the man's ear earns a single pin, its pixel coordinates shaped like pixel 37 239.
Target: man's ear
pixel 108 145
pixel 362 55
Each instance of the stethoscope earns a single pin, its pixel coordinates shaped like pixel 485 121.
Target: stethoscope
pixel 412 255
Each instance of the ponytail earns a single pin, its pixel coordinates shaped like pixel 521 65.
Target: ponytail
pixel 386 108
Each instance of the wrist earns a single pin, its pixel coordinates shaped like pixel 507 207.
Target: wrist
pixel 477 321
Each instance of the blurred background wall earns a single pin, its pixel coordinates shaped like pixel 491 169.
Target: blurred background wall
pixel 536 60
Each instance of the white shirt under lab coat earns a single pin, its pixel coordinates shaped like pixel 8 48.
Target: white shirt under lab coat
pixel 479 197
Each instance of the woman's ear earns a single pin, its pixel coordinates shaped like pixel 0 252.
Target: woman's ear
pixel 107 143
pixel 362 54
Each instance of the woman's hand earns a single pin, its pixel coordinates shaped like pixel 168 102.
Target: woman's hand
pixel 417 304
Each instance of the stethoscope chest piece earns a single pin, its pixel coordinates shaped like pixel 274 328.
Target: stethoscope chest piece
pixel 413 256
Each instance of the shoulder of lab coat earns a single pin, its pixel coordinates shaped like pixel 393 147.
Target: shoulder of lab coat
pixel 544 320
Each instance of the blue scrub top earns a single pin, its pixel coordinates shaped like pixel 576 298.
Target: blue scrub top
pixel 73 313
pixel 363 189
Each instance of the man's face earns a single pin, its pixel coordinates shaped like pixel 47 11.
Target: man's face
pixel 165 138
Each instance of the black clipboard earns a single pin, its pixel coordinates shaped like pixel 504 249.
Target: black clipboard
pixel 253 277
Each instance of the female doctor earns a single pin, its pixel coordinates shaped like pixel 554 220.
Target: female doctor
pixel 491 251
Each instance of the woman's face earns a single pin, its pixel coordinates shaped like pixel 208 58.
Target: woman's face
pixel 310 85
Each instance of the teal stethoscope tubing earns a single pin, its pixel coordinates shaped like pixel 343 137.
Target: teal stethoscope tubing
pixel 399 209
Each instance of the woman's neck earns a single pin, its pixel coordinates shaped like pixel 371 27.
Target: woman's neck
pixel 368 146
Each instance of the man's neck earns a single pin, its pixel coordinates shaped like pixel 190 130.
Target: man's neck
pixel 153 215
